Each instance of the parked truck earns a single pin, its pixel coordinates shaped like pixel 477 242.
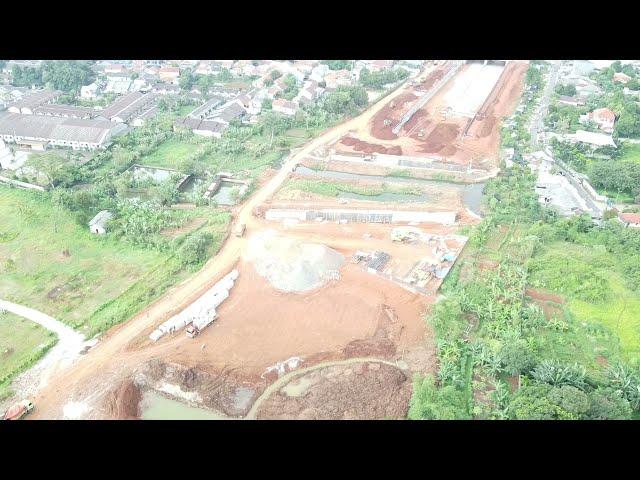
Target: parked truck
pixel 18 410
pixel 239 231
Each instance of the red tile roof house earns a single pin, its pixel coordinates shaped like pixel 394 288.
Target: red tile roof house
pixel 630 219
pixel 604 117
pixel 621 77
pixel 169 74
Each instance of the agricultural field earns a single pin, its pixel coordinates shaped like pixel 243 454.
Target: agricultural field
pixel 539 319
pixel 51 263
pixel 22 342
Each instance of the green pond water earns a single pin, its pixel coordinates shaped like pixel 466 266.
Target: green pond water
pixel 156 407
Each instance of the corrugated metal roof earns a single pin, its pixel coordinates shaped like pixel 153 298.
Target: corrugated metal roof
pixel 54 128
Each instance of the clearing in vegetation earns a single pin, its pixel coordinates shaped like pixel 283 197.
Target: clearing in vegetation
pixel 169 154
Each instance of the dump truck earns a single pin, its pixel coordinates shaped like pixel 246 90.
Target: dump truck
pixel 239 231
pixel 18 410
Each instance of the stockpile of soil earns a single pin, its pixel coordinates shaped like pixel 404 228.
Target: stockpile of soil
pixel 293 266
pixel 486 126
pixel 123 402
pixel 440 137
pixel 430 80
pixel 365 147
pixel 418 122
pixel 361 391
pixel 384 132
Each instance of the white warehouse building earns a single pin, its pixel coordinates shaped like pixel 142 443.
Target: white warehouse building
pixel 39 131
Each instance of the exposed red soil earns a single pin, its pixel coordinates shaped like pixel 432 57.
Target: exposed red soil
pixel 122 403
pixel 384 132
pixel 544 296
pixel 440 137
pixel 366 147
pixel 364 391
pixel 428 82
pixel 417 121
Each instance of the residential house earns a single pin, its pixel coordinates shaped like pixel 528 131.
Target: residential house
pixel 252 105
pixel 573 101
pixel 98 224
pixel 318 73
pixel 603 117
pixel 90 91
pixel 583 68
pixel 630 219
pixel 169 75
pixel 284 106
pixel 114 68
pixel 621 77
pixel 595 140
pixel 338 78
pixel 379 65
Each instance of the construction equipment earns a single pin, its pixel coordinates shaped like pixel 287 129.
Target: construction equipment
pixel 19 410
pixel 192 331
pixel 421 133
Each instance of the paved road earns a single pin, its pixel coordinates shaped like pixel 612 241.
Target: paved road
pixel 537 122
pixel 66 351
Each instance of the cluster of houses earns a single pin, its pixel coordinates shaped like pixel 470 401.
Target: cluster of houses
pixel 577 73
pixel 34 120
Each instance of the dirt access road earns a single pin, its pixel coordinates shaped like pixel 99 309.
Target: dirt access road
pixel 111 355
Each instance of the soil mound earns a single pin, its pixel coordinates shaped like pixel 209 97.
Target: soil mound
pixel 123 402
pixel 293 266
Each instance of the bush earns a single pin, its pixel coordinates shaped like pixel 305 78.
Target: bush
pixel 193 250
pixel 432 403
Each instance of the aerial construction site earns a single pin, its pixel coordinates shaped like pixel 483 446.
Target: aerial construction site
pixel 315 306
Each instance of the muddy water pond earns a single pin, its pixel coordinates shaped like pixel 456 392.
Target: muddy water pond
pixel 471 193
pixel 156 407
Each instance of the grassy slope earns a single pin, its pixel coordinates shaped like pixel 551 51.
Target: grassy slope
pixel 32 263
pixel 22 343
pixel 620 311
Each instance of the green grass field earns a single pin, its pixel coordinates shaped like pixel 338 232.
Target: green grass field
pixel 333 189
pixel 169 154
pixel 579 272
pixel 631 152
pixel 37 272
pixel 22 343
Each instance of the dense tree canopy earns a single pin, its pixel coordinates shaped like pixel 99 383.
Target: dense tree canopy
pixel 383 77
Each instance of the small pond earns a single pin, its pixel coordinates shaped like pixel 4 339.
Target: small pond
pixel 156 407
